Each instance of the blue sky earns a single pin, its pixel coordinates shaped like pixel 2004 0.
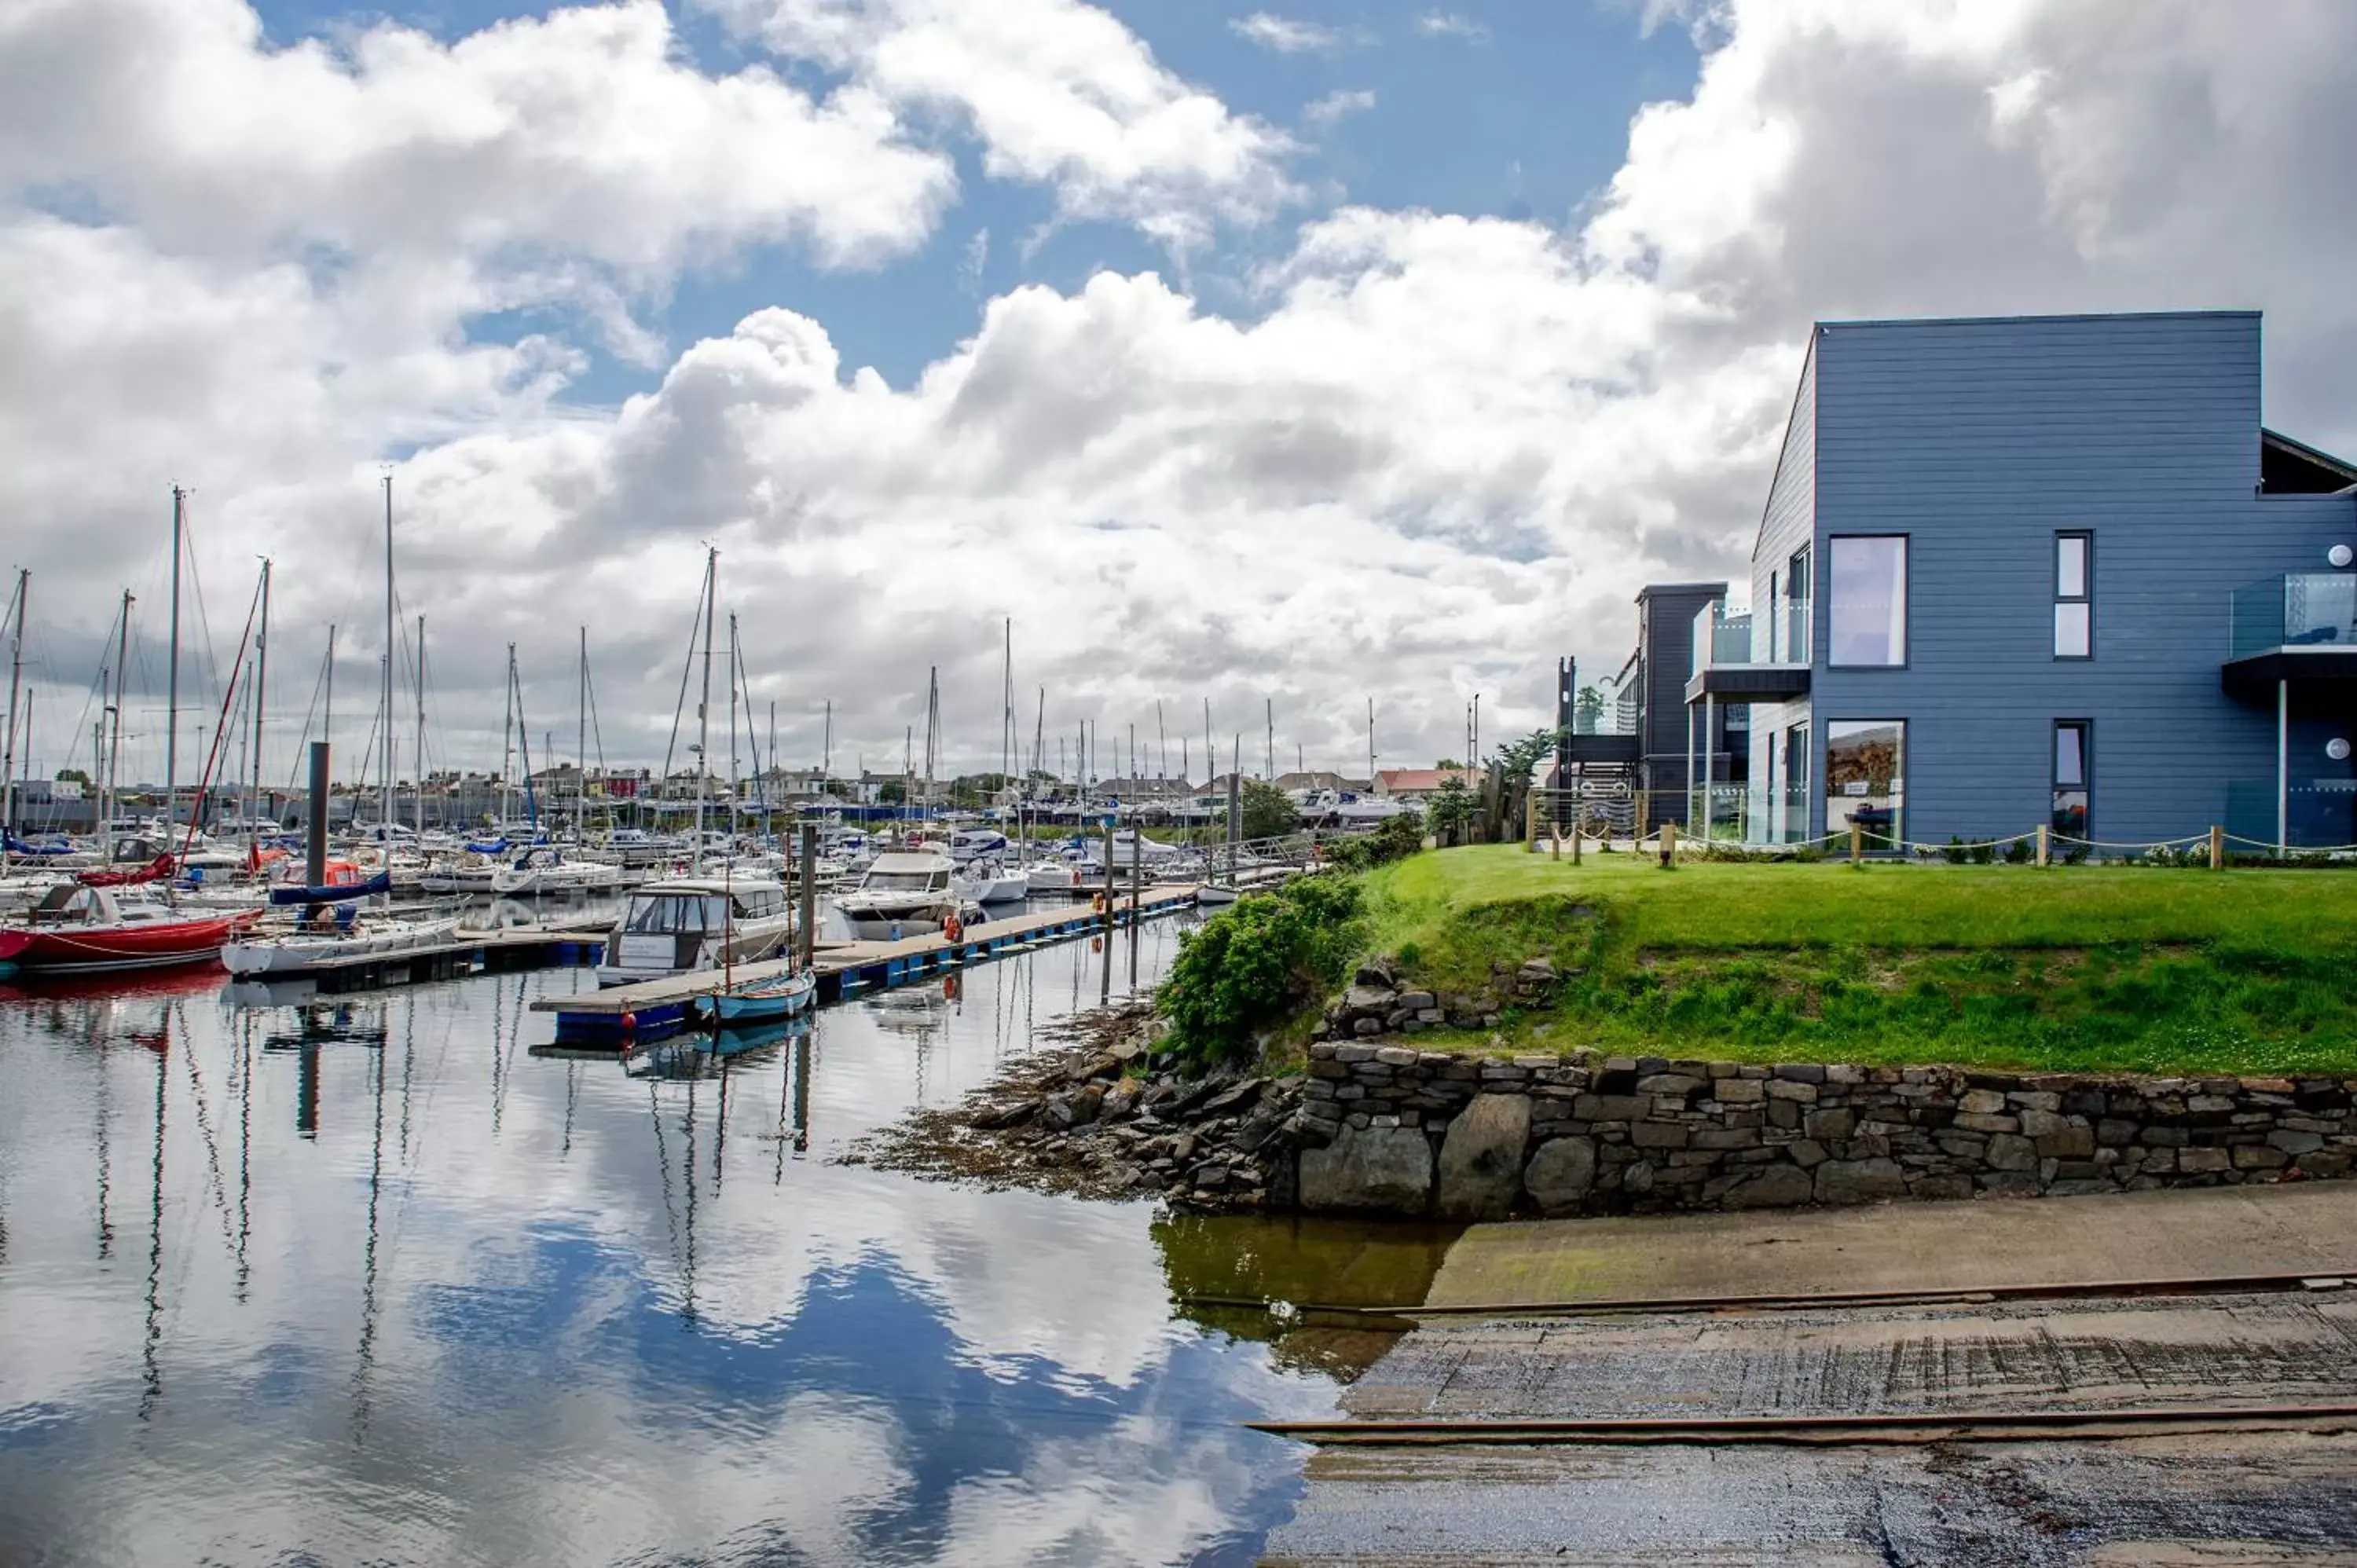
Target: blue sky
pixel 1524 119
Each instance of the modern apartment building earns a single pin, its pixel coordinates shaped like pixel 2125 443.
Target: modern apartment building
pixel 2042 570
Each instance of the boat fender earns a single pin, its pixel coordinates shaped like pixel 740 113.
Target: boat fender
pixel 630 1022
pixel 1097 905
pixel 953 928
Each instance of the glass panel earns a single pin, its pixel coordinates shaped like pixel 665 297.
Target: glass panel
pixel 2072 629
pixel 1775 619
pixel 1865 778
pixel 1870 600
pixel 2071 813
pixel 1796 757
pixel 2070 755
pixel 1796 596
pixel 2071 566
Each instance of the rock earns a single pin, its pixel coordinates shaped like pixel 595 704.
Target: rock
pixel 1561 1174
pixel 2293 1142
pixel 1058 1111
pixel 1482 1157
pixel 1375 975
pixel 996 1118
pixel 1119 1101
pixel 1370 999
pixel 1087 1104
pixel 1230 1098
pixel 1366 1027
pixel 1776 1187
pixel 2202 1160
pixel 1368 1167
pixel 1859 1181
pixel 1738 1091
pixel 2012 1151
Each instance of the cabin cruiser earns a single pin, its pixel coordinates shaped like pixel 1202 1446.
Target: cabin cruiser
pixel 685 925
pixel 905 893
pixel 1346 808
pixel 538 873
pixel 475 873
pixel 970 844
pixel 325 938
pixel 986 880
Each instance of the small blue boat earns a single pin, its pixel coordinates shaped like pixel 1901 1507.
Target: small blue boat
pixel 758 1001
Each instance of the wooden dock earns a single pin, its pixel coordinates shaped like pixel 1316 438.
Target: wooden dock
pixel 846 969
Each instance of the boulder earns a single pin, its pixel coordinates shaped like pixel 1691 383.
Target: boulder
pixel 1859 1181
pixel 1776 1187
pixel 1561 1174
pixel 1368 1167
pixel 993 1118
pixel 1375 973
pixel 1482 1157
pixel 1375 999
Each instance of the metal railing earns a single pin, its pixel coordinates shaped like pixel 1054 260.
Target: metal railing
pixel 2299 609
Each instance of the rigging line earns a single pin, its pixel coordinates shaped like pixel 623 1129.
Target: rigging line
pixel 686 669
pixel 302 744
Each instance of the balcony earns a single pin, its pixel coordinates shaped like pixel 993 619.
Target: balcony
pixel 1731 663
pixel 1743 814
pixel 2302 625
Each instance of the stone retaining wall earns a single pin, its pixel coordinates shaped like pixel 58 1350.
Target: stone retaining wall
pixel 1381 1125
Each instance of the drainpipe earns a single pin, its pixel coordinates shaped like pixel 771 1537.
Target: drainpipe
pixel 2283 767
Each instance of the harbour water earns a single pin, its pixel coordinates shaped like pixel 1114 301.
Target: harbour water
pixel 378 1279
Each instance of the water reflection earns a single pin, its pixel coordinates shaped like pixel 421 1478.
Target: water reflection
pixel 400 1282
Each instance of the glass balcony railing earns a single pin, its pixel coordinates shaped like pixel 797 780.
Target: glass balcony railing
pixel 2301 609
pixel 1739 813
pixel 1722 640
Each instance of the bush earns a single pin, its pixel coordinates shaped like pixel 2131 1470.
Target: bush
pixel 1250 965
pixel 1394 838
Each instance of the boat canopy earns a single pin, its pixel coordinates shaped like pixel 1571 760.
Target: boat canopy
pixel 334 892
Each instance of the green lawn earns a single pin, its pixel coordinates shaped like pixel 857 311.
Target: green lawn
pixel 2071 968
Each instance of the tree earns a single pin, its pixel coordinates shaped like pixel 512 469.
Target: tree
pixel 891 792
pixel 73 775
pixel 1450 806
pixel 1519 758
pixel 1446 763
pixel 1267 811
pixel 1587 710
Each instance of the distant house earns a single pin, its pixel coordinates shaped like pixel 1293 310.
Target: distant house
pixel 1413 784
pixel 1319 778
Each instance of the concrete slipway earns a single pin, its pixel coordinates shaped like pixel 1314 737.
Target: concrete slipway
pixel 2044 1382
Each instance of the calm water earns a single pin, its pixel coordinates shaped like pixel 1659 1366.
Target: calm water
pixel 377 1281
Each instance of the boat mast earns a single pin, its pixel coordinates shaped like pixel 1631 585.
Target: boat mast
pixel 1006 714
pixel 1371 744
pixel 172 677
pixel 1271 774
pixel 704 708
pixel 581 750
pixel 1210 747
pixel 732 732
pixel 421 727
pixel 261 694
pixel 384 802
pixel 114 745
pixel 507 744
pixel 15 678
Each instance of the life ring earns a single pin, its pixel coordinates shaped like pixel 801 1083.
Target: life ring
pixel 1097 904
pixel 953 928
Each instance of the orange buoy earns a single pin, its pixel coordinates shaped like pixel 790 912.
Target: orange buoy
pixel 630 1022
pixel 953 928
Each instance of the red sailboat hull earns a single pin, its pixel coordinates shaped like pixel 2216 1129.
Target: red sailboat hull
pixel 148 944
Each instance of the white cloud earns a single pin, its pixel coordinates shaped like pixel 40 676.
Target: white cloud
pixel 1058 94
pixel 1334 105
pixel 1283 35
pixel 1452 24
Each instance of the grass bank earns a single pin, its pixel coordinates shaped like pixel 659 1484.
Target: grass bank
pixel 2073 969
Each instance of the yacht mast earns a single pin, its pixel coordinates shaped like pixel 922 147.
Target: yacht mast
pixel 384 802
pixel 581 750
pixel 172 678
pixel 16 680
pixel 732 731
pixel 420 763
pixel 261 694
pixel 114 745
pixel 507 744
pixel 704 708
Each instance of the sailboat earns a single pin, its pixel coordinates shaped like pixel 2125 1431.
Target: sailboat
pixel 331 931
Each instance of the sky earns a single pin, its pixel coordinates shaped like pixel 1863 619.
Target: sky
pixel 1272 359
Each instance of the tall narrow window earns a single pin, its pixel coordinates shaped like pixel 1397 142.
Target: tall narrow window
pixel 1796 603
pixel 2074 595
pixel 2071 736
pixel 1775 619
pixel 1867 583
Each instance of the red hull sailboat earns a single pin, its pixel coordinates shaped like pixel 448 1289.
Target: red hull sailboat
pixel 82 930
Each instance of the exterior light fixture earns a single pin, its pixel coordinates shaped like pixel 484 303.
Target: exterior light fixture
pixel 2337 749
pixel 2339 555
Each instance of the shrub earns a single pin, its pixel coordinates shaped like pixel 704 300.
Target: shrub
pixel 2020 852
pixel 1394 838
pixel 1250 965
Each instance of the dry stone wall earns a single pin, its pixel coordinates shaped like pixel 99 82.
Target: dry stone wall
pixel 1381 1125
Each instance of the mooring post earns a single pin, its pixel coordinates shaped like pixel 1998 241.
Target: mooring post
pixel 315 846
pixel 1104 990
pixel 1137 900
pixel 809 890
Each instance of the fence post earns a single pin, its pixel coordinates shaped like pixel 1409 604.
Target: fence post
pixel 1554 841
pixel 1579 832
pixel 1669 844
pixel 1530 820
pixel 2045 846
pixel 2217 848
pixel 1857 842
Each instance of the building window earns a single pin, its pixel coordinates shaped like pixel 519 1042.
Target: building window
pixel 1868 588
pixel 2070 738
pixel 2074 595
pixel 1775 620
pixel 1796 608
pixel 1866 780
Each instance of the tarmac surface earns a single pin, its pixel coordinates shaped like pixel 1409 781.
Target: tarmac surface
pixel 2223 1489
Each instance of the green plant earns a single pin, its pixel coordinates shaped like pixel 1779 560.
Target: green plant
pixel 1249 966
pixel 2020 852
pixel 1267 811
pixel 1451 806
pixel 1954 853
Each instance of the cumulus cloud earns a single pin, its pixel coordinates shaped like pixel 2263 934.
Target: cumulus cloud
pixel 1452 24
pixel 1283 35
pixel 1058 94
pixel 1334 106
pixel 1423 456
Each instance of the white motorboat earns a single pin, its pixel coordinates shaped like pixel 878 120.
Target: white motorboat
pixel 1063 877
pixel 973 844
pixel 327 940
pixel 688 924
pixel 472 874
pixel 985 880
pixel 539 873
pixel 905 894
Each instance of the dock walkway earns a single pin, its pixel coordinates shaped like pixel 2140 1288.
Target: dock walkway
pixel 845 968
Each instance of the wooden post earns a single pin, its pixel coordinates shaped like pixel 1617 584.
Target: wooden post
pixel 2045 844
pixel 1136 899
pixel 2217 848
pixel 1104 989
pixel 1530 820
pixel 1669 844
pixel 809 891
pixel 1857 842
pixel 1579 832
pixel 1554 843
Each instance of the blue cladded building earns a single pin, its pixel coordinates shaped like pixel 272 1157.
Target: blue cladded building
pixel 2038 569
